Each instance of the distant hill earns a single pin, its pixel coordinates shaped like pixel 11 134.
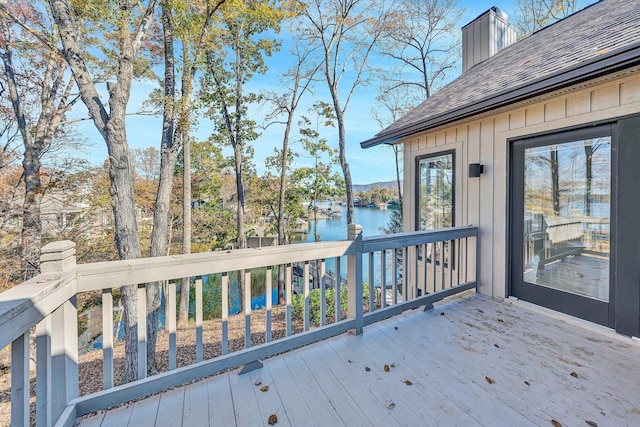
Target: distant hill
pixel 366 187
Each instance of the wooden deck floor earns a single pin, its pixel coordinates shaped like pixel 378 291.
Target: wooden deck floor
pixel 470 361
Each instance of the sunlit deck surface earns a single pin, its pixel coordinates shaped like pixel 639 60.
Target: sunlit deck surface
pixel 470 361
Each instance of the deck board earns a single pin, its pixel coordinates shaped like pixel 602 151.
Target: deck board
pixel 529 353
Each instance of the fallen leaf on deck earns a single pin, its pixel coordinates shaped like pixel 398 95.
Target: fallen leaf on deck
pixel 407 382
pixel 480 311
pixel 264 388
pixel 442 313
pixel 527 383
pixel 556 423
pixel 496 346
pixel 349 360
pixel 591 423
pixel 389 404
pixel 489 380
pixel 574 374
pixel 392 365
pixel 395 327
pixel 258 382
pixel 366 368
pixel 273 418
pixel 386 368
pixel 500 320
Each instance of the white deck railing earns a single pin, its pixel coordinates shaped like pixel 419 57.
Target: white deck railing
pixel 404 271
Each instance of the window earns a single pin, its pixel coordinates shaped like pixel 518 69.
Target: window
pixel 435 191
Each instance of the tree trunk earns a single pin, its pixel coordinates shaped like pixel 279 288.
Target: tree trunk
pixel 183 310
pixel 343 163
pixel 588 151
pixel 161 211
pixel 555 181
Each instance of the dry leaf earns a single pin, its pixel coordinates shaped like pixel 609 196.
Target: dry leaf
pixel 395 327
pixel 407 382
pixel 386 368
pixel 264 388
pixel 556 423
pixel 527 383
pixel 574 374
pixel 258 382
pixel 480 311
pixel 389 404
pixel 442 313
pixel 496 346
pixel 500 320
pixel 366 368
pixel 591 423
pixel 273 418
pixel 489 380
pixel 349 360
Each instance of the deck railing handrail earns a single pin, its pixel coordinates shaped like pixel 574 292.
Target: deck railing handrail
pixel 47 301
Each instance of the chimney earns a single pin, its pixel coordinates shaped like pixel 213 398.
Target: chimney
pixel 485 36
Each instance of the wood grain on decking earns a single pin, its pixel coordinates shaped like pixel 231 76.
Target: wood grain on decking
pixel 542 366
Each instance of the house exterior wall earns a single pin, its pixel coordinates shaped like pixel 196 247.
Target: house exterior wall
pixel 484 201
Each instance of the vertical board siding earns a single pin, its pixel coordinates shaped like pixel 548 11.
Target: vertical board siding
pixel 483 201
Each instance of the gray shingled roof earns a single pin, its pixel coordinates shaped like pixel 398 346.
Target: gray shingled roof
pixel 600 39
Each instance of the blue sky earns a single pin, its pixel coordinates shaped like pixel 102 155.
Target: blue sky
pixel 367 166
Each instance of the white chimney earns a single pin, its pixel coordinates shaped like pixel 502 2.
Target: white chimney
pixel 485 36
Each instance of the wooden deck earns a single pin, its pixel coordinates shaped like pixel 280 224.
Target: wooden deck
pixel 470 361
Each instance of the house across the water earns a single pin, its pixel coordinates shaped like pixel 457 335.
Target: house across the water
pixel 538 143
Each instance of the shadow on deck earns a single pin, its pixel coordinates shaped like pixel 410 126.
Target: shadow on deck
pixel 470 361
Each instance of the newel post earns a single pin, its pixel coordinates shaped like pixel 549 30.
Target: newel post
pixel 354 276
pixel 58 257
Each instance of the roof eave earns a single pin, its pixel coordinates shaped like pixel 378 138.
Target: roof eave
pixel 607 63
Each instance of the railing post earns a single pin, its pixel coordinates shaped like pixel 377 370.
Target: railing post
pixel 354 276
pixel 58 257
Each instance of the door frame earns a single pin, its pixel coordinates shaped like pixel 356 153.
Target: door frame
pixel 590 309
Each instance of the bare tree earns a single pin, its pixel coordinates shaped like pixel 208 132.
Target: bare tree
pixel 147 162
pixel 424 42
pixel 344 32
pixel 532 15
pixel 40 97
pixel 131 23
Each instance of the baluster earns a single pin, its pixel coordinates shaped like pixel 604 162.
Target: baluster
pixel 371 282
pixel 338 289
pixel 171 323
pixel 305 293
pixel 424 269
pixel 20 380
pixel 451 247
pixel 383 277
pixel 323 293
pixel 43 372
pixel 288 292
pixel 416 276
pixel 225 312
pixel 394 277
pixel 405 276
pixel 458 255
pixel 199 319
pixel 247 308
pixel 269 301
pixel 434 264
pixel 107 338
pixel 142 331
pixel 442 265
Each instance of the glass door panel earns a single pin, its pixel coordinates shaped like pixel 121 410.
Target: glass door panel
pixel 566 227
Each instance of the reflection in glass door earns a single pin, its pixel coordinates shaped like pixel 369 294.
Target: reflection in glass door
pixel 561 222
pixel 567 195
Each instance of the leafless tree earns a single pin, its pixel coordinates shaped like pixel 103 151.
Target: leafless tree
pixel 532 15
